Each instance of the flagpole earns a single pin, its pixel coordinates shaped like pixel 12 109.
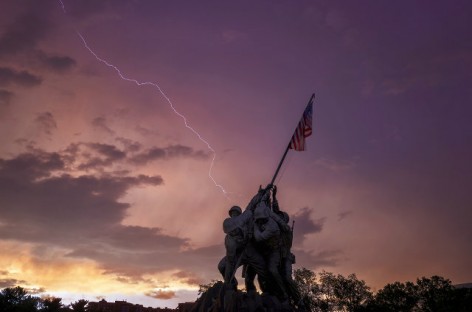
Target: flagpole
pixel 286 150
pixel 280 164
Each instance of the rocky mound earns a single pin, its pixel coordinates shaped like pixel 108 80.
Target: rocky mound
pixel 217 300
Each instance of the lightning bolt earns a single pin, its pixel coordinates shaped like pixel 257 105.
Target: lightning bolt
pixel 155 85
pixel 62 6
pixel 148 83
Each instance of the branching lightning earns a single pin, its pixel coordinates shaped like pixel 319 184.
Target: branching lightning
pixel 148 83
pixel 155 85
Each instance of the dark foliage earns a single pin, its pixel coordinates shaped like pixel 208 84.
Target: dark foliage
pixel 79 306
pixel 329 293
pixel 16 299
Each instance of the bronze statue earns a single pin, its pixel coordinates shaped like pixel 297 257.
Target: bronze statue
pixel 260 239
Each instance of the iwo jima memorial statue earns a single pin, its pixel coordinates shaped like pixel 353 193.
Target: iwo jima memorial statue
pixel 259 239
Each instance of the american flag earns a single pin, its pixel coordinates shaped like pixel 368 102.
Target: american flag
pixel 304 128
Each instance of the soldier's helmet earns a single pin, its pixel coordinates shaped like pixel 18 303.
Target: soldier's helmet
pixel 235 208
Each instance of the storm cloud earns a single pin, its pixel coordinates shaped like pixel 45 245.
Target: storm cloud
pixel 161 294
pixel 46 122
pixel 23 78
pixel 56 63
pixel 305 225
pixel 171 151
pixel 42 203
pixel 10 282
pixel 5 97
pixel 100 123
pixel 24 32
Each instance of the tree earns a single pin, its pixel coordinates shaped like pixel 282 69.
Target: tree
pixel 343 294
pixel 308 287
pixel 52 304
pixel 331 292
pixel 16 299
pixel 395 297
pixel 435 294
pixel 462 300
pixel 79 305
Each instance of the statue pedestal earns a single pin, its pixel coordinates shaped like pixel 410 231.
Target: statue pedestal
pixel 217 299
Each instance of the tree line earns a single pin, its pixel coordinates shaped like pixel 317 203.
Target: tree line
pixel 322 292
pixel 327 292
pixel 17 299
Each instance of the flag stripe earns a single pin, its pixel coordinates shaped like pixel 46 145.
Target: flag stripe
pixel 304 129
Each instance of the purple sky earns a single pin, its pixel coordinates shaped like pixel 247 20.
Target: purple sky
pixel 105 191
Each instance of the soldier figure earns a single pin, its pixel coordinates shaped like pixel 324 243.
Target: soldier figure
pixel 239 230
pixel 288 258
pixel 236 228
pixel 267 236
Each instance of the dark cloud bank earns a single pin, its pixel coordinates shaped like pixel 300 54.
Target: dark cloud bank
pixel 43 201
pixel 20 54
pixel 23 78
